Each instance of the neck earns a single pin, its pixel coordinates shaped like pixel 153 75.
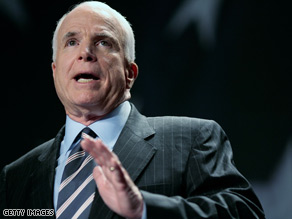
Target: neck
pixel 87 116
pixel 85 119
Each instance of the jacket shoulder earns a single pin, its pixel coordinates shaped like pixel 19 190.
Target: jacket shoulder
pixel 181 122
pixel 30 156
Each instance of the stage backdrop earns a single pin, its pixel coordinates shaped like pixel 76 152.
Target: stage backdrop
pixel 225 60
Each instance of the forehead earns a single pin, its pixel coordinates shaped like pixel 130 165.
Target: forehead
pixel 88 20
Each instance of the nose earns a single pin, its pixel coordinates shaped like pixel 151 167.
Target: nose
pixel 87 55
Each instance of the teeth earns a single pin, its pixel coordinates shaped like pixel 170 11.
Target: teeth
pixel 84 80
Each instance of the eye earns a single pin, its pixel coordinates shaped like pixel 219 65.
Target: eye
pixel 104 43
pixel 71 42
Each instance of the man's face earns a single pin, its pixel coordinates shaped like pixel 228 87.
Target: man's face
pixel 90 71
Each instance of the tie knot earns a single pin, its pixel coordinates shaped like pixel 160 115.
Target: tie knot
pixel 89 132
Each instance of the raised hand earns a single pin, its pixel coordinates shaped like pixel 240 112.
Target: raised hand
pixel 114 184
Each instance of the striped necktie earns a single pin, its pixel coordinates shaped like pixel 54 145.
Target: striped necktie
pixel 77 188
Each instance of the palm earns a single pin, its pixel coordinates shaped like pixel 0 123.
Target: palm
pixel 115 186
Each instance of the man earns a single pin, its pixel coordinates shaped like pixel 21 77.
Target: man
pixel 168 167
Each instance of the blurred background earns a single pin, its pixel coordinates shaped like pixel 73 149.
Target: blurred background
pixel 225 60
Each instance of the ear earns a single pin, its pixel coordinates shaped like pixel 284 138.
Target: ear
pixel 132 74
pixel 54 69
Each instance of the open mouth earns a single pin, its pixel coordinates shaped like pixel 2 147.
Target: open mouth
pixel 85 77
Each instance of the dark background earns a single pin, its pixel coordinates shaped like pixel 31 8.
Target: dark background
pixel 225 60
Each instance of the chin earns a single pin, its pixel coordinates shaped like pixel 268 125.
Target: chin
pixel 86 99
pixel 87 103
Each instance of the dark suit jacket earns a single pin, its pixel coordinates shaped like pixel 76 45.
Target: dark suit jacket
pixel 183 167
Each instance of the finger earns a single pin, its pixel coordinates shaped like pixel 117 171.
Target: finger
pixel 96 145
pixel 87 144
pixel 102 183
pixel 119 182
pixel 118 176
pixel 104 157
pixel 99 176
pixel 110 169
pixel 96 149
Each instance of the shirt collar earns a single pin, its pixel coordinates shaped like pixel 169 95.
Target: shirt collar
pixel 108 128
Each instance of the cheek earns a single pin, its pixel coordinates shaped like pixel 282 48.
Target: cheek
pixel 116 78
pixel 59 81
pixel 115 71
pixel 61 78
pixel 117 86
pixel 60 84
pixel 63 70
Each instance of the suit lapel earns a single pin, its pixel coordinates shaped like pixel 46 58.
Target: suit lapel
pixel 134 151
pixel 44 174
pixel 132 147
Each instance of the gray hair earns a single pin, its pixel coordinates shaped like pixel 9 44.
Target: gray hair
pixel 128 41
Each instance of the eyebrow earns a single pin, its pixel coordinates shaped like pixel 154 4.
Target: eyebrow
pixel 105 35
pixel 68 35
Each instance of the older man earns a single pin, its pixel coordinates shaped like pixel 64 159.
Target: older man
pixel 109 160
